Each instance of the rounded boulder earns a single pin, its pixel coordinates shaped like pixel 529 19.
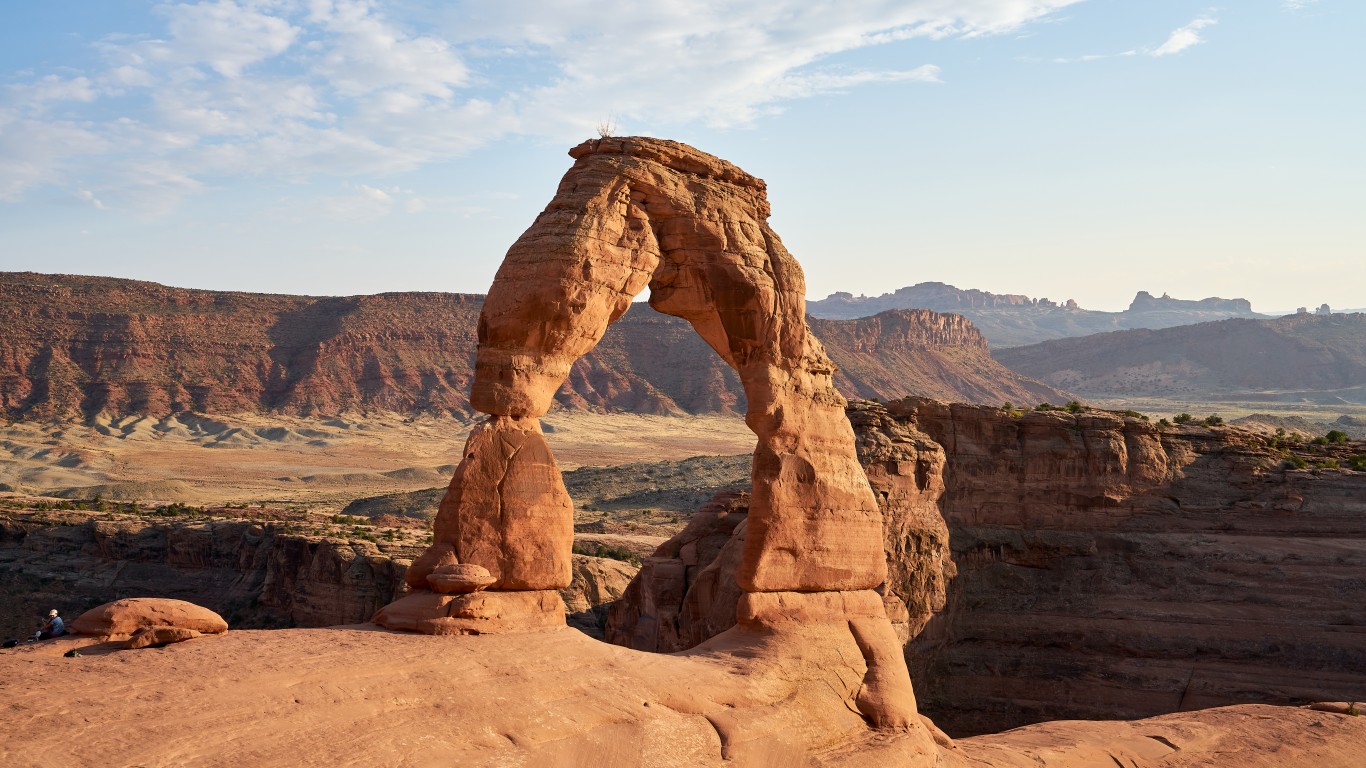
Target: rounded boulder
pixel 122 618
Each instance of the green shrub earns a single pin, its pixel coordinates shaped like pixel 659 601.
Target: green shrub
pixel 1328 464
pixel 1183 418
pixel 1295 462
pixel 1213 420
pixel 1358 462
pixel 1163 423
pixel 1336 436
pixel 1073 406
pixel 597 549
pixel 1045 407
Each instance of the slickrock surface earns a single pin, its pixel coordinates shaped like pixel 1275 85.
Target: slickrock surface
pixel 356 696
pixel 72 347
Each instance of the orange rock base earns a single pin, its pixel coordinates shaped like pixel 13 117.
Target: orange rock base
pixel 478 613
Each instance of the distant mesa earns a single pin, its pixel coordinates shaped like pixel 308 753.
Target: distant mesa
pixel 1012 320
pixel 1301 358
pixel 1146 302
pixel 73 347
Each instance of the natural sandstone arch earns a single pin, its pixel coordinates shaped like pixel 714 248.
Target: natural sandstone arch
pixel 631 213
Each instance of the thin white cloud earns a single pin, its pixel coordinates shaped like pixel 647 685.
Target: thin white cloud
pixel 225 35
pixel 1295 5
pixel 300 88
pixel 1179 40
pixel 89 197
pixel 1184 37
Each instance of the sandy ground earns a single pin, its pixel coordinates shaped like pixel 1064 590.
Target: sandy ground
pixel 324 462
pixel 361 696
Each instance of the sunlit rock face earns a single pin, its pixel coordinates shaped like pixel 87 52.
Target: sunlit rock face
pixel 635 213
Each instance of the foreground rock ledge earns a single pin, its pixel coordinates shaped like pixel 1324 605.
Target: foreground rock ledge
pixel 364 696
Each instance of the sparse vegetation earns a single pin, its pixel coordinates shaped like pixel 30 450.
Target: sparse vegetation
pixel 1357 462
pixel 1183 418
pixel 1336 437
pixel 1213 420
pixel 1073 406
pixel 1045 407
pixel 602 550
pixel 1011 410
pixel 1163 423
pixel 1294 462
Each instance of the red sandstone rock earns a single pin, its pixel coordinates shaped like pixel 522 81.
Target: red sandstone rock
pixel 460 579
pixel 149 637
pixel 631 213
pixel 127 616
pixel 475 613
pixel 507 509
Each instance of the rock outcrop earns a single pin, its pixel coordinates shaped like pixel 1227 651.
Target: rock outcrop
pixel 72 347
pixel 1109 569
pixel 1104 568
pixel 633 213
pixel 126 617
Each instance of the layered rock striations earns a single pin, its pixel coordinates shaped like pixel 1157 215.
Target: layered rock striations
pixel 72 347
pixel 925 353
pixel 254 574
pixel 1109 569
pixel 251 573
pixel 1103 568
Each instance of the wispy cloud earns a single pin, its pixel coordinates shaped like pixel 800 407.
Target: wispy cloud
pixel 1179 40
pixel 1184 37
pixel 1295 5
pixel 299 88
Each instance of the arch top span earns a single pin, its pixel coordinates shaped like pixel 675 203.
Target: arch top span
pixel 635 212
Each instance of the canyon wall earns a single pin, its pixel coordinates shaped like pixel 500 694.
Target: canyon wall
pixel 1108 569
pixel 251 573
pixel 72 346
pixel 1104 568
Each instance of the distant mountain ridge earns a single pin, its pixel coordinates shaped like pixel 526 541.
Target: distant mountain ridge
pixel 72 347
pixel 1296 358
pixel 1011 320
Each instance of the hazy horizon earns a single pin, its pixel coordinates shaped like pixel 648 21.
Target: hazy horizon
pixel 1067 149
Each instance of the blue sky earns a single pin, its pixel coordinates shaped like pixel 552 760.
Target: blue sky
pixel 1079 149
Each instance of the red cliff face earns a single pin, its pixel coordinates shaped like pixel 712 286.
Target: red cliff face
pixel 1104 568
pixel 71 347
